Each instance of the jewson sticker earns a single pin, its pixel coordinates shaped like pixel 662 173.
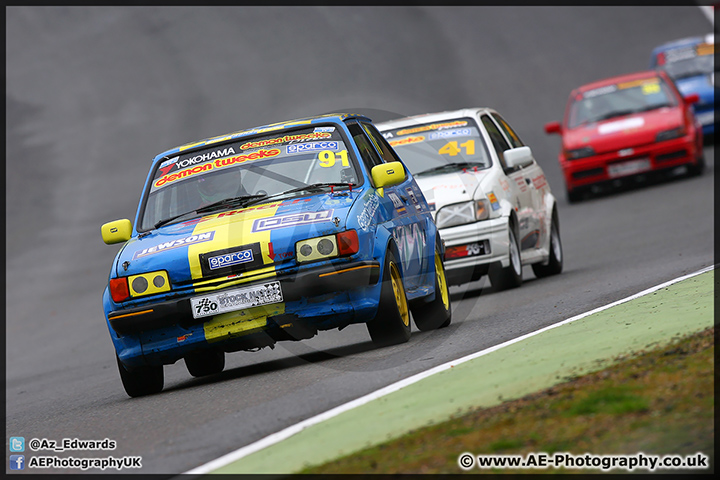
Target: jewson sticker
pixel 230 259
pixel 291 220
pixel 458 132
pixel 324 129
pixel 177 243
pixel 312 146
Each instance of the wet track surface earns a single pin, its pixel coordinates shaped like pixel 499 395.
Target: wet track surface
pixel 94 93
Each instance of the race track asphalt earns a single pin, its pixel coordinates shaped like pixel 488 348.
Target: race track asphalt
pixel 93 93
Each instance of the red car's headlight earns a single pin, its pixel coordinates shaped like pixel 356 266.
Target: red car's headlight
pixel 670 134
pixel 576 153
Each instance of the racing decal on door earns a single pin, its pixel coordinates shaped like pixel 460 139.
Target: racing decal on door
pixel 397 203
pixel 410 240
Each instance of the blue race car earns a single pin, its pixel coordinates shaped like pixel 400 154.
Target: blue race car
pixel 689 62
pixel 270 234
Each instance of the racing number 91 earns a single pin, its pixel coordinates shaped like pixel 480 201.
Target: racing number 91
pixel 327 158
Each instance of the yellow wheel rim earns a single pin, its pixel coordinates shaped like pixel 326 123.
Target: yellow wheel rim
pixel 400 300
pixel 442 285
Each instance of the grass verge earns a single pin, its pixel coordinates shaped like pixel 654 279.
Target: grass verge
pixel 658 402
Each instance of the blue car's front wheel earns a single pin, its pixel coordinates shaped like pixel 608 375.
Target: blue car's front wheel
pixel 141 381
pixel 436 314
pixel 391 324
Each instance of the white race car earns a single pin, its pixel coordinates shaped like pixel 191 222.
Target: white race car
pixel 490 199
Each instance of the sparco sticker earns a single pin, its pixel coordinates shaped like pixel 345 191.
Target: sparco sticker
pixel 236 299
pixel 177 243
pixel 312 146
pixel 230 259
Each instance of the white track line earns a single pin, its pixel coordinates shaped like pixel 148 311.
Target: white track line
pixel 292 430
pixel 708 11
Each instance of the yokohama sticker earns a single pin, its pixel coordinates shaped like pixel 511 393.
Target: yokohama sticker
pixel 236 299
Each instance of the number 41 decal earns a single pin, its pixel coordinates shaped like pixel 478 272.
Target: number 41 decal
pixel 451 148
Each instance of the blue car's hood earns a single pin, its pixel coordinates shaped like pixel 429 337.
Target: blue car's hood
pixel 269 230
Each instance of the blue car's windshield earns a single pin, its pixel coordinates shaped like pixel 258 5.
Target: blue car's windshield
pixel 688 62
pixel 248 168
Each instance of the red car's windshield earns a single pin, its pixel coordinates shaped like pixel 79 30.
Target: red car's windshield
pixel 619 99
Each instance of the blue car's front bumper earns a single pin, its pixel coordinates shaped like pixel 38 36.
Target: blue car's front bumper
pixel 314 299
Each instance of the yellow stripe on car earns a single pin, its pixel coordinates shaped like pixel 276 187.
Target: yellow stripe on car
pixel 241 322
pixel 231 229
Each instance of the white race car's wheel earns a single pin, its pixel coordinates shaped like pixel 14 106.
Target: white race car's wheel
pixel 140 381
pixel 391 324
pixel 511 276
pixel 555 264
pixel 574 196
pixel 699 167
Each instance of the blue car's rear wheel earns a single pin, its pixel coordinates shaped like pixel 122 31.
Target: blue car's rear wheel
pixel 140 381
pixel 391 324
pixel 436 314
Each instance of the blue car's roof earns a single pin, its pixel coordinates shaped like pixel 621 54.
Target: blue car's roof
pixel 329 117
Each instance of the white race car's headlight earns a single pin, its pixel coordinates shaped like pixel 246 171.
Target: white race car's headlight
pixel 462 213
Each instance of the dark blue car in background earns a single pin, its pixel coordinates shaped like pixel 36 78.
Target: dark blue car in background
pixel 689 62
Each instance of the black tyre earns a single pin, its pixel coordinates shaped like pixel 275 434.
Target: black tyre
pixel 140 381
pixel 555 264
pixel 391 325
pixel 435 314
pixel 698 168
pixel 205 362
pixel 574 196
pixel 510 276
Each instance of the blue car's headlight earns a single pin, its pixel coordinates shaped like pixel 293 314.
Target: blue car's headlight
pixel 148 283
pixel 330 246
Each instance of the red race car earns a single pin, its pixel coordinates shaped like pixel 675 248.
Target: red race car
pixel 624 127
